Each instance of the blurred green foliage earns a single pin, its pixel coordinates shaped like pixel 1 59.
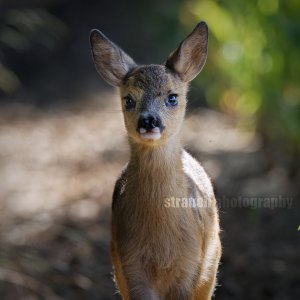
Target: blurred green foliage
pixel 253 68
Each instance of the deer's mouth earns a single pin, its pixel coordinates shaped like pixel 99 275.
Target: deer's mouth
pixel 150 134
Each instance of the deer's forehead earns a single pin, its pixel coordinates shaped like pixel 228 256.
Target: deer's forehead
pixel 149 79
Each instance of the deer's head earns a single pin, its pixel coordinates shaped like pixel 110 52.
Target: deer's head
pixel 153 97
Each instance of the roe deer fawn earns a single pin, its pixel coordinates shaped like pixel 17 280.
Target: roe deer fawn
pixel 160 251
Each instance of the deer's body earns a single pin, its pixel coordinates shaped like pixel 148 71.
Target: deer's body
pixel 159 251
pixel 175 251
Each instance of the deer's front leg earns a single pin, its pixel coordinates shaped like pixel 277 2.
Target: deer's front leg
pixel 139 288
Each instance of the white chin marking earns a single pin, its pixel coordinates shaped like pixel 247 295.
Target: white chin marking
pixel 151 136
pixel 154 134
pixel 155 130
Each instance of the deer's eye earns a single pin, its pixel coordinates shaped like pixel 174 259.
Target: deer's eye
pixel 129 103
pixel 172 100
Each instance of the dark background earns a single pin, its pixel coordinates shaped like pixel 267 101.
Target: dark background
pixel 63 143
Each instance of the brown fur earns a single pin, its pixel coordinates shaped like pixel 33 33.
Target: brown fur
pixel 158 251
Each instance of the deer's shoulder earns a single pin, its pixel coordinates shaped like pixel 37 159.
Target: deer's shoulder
pixel 197 176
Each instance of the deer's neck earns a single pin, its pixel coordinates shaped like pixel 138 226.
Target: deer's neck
pixel 156 172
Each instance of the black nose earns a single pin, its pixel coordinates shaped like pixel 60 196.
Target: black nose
pixel 149 121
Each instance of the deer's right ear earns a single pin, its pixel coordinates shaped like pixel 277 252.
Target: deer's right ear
pixel 111 62
pixel 189 58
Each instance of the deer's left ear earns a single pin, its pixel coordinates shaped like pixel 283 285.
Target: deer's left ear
pixel 189 58
pixel 111 62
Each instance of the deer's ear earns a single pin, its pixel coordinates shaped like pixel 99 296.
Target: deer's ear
pixel 189 58
pixel 111 62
